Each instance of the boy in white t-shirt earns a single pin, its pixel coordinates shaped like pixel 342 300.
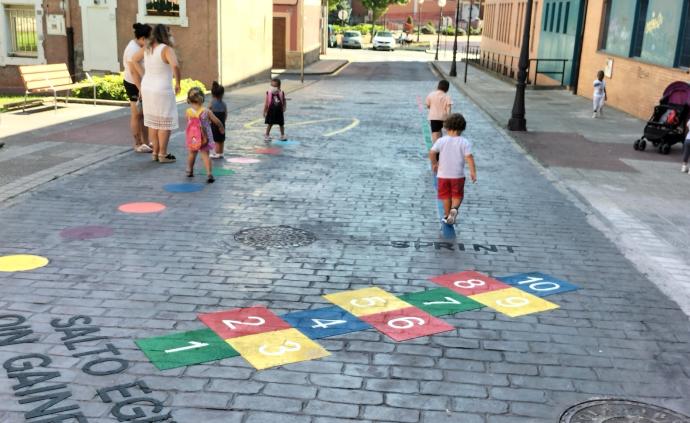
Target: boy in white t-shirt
pixel 439 104
pixel 454 151
pixel 599 95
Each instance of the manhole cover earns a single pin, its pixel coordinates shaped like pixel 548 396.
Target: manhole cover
pixel 275 237
pixel 620 411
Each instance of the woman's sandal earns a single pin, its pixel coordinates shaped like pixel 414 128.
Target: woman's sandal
pixel 210 179
pixel 190 173
pixel 154 157
pixel 166 159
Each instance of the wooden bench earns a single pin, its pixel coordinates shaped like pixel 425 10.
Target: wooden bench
pixel 51 78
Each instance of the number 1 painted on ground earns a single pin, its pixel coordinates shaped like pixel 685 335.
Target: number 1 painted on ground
pixel 192 346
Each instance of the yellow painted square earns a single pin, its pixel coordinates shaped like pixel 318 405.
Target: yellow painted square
pixel 363 302
pixel 270 349
pixel 513 302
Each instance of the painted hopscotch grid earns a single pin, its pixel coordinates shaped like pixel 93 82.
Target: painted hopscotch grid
pixel 266 340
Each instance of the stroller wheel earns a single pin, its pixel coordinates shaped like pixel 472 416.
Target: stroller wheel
pixel 636 145
pixel 665 149
pixel 643 145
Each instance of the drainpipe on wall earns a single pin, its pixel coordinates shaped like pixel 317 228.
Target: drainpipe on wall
pixel 578 49
pixel 219 9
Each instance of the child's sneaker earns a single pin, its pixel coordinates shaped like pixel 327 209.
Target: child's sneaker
pixel 215 155
pixel 594 115
pixel 451 216
pixel 267 138
pixel 684 168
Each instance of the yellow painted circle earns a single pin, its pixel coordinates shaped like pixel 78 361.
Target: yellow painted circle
pixel 21 263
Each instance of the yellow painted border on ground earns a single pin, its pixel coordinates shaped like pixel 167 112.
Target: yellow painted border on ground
pixel 366 301
pixel 514 302
pixel 22 262
pixel 270 349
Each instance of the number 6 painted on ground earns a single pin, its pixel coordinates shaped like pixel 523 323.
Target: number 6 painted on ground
pixel 408 322
pixel 294 346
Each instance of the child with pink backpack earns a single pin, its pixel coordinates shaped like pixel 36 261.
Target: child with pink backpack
pixel 274 110
pixel 199 136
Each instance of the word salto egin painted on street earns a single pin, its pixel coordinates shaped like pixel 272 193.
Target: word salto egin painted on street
pixel 266 340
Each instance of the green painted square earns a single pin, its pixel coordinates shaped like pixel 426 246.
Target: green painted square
pixel 185 348
pixel 217 171
pixel 441 301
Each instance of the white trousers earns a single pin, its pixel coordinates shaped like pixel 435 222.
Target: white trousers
pixel 598 103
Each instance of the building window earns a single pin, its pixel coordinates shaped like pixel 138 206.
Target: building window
pixel 558 22
pixel 168 12
pixel 553 16
pixel 662 31
pixel 684 58
pixel 546 16
pixel 22 37
pixel 567 15
pixel 620 18
pixel 638 34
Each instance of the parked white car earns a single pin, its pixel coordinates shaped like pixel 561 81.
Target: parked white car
pixel 384 40
pixel 352 39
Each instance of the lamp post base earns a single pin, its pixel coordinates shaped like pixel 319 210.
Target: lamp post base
pixel 517 124
pixel 453 70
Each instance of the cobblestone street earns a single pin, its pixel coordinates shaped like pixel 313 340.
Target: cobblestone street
pixel 357 180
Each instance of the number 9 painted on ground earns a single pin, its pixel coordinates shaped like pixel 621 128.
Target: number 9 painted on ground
pixel 512 302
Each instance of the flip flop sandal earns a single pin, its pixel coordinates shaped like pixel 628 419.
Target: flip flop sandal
pixel 154 157
pixel 190 173
pixel 166 159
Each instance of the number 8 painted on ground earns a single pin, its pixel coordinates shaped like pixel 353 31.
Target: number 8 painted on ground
pixel 294 346
pixel 471 282
pixel 512 302
pixel 408 322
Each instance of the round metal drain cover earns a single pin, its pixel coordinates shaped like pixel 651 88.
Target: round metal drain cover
pixel 275 237
pixel 621 411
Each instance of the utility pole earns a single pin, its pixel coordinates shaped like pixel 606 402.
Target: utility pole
pixel 453 66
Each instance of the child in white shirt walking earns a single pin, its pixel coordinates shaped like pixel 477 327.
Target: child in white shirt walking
pixel 454 151
pixel 599 95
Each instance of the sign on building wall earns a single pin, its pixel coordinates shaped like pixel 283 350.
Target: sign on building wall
pixel 56 24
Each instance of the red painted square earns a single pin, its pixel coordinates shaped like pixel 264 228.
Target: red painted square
pixel 243 321
pixel 406 323
pixel 469 283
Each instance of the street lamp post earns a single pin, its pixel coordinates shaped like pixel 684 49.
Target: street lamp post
pixel 419 17
pixel 469 26
pixel 453 66
pixel 441 3
pixel 517 120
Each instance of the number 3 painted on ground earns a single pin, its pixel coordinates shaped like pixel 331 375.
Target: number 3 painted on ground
pixel 513 302
pixel 407 322
pixel 288 346
pixel 370 301
pixel 469 284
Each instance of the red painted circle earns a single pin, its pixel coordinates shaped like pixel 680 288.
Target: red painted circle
pixel 142 208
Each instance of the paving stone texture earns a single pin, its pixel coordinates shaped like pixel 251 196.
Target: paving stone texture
pixel 368 197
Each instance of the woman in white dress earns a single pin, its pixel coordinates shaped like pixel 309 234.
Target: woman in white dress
pixel 157 94
pixel 136 123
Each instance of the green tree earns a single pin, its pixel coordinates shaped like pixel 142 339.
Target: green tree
pixel 337 4
pixel 379 8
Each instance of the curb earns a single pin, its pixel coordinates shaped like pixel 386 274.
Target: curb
pixel 306 73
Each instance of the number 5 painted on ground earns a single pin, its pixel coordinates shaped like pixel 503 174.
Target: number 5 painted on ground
pixel 288 346
pixel 370 301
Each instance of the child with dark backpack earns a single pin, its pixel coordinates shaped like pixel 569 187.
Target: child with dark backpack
pixel 274 110
pixel 199 136
pixel 220 110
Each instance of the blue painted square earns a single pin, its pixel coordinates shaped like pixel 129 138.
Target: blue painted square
pixel 325 322
pixel 539 284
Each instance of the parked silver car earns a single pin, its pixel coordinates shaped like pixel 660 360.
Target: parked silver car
pixel 352 39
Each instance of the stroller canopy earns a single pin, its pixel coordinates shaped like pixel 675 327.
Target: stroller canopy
pixel 677 93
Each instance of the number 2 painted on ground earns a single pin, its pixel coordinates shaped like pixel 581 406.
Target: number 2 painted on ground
pixel 469 284
pixel 405 322
pixel 512 302
pixel 288 346
pixel 448 300
pixel 368 301
pixel 251 321
pixel 535 282
pixel 192 345
pixel 326 323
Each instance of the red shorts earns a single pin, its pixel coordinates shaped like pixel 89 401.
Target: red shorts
pixel 451 188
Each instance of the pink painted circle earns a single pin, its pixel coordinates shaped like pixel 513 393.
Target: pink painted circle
pixel 243 160
pixel 86 232
pixel 142 208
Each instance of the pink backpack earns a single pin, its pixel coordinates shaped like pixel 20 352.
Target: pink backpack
pixel 194 133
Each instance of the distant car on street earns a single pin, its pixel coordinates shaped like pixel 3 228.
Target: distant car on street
pixel 352 39
pixel 384 40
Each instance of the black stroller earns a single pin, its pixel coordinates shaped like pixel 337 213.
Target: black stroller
pixel 667 125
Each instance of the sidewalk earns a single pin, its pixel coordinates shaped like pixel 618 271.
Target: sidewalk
pixel 642 197
pixel 322 67
pixel 42 144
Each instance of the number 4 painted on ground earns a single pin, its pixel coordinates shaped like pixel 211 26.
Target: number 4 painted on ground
pixel 320 323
